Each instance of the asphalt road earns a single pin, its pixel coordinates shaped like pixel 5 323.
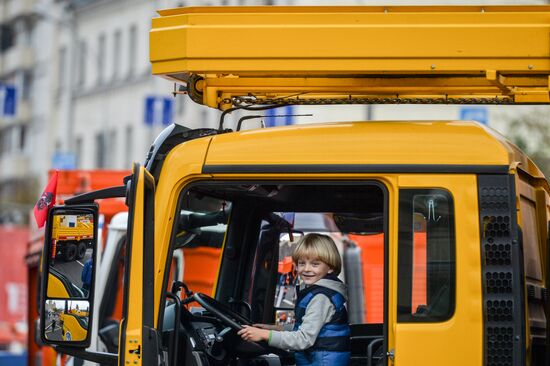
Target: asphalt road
pixel 53 334
pixel 73 270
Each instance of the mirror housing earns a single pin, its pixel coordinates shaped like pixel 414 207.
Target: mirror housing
pixel 68 275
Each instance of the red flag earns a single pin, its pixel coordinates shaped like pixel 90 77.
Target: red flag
pixel 47 200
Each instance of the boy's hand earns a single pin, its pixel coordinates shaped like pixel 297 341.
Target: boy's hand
pixel 253 334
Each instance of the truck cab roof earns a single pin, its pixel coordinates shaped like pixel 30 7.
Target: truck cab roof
pixel 376 146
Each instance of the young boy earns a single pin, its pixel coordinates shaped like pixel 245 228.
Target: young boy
pixel 321 331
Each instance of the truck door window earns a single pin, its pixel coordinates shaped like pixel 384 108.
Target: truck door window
pixel 262 223
pixel 426 256
pixel 257 270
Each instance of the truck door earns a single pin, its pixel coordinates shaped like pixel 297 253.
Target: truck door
pixel 436 310
pixel 138 338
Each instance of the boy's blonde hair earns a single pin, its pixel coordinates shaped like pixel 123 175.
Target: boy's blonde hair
pixel 318 247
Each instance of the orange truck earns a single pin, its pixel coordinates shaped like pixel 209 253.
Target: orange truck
pixel 70 183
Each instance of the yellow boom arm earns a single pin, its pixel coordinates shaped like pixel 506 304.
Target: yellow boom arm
pixel 333 55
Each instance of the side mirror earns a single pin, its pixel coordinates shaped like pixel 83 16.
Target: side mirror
pixel 68 275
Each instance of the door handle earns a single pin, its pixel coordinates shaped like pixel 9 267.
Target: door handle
pixel 391 354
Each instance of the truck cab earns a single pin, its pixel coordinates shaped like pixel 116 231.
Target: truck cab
pixel 453 257
pixel 442 225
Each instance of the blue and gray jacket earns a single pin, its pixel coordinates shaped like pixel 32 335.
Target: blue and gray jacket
pixel 334 335
pixel 321 321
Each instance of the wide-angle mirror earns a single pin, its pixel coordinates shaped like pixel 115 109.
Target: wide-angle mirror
pixel 68 278
pixel 66 320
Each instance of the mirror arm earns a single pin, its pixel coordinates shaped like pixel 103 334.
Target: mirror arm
pixel 90 197
pixel 99 357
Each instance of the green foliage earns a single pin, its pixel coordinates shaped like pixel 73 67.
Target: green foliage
pixel 530 131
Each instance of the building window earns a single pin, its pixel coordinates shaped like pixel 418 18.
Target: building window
pixel 128 145
pixel 7 37
pixel 116 54
pixel 113 148
pixel 26 87
pixel 78 158
pixel 23 32
pixel 101 59
pixel 12 139
pixel 5 140
pixel 426 256
pixel 62 77
pixel 100 150
pixel 132 47
pixel 22 137
pixel 82 57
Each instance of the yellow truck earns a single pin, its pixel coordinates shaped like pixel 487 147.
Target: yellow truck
pixel 72 235
pixel 75 326
pixel 461 212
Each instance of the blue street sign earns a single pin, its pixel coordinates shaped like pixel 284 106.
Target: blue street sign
pixel 158 110
pixel 62 160
pixel 271 121
pixel 479 114
pixel 8 100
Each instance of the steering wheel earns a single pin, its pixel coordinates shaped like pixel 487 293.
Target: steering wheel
pixel 236 321
pixel 222 312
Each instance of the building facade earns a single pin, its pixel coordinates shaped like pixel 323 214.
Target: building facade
pixel 17 64
pixel 86 98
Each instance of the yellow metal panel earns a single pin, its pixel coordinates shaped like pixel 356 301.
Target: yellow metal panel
pixel 56 288
pixel 458 341
pixel 71 324
pixel 379 143
pixel 491 45
pixel 308 34
pixel 182 166
pixel 134 321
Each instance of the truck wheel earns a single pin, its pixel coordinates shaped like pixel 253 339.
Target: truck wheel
pixel 70 252
pixel 81 250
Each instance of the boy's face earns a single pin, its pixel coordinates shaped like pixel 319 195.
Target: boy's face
pixel 312 270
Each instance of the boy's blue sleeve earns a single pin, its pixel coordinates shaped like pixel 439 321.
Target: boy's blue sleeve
pixel 83 274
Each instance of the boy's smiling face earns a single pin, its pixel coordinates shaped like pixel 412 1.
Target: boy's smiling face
pixel 312 270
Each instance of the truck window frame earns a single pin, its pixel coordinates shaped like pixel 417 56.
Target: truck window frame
pixel 405 258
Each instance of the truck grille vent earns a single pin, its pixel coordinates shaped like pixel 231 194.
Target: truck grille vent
pixel 500 274
pixel 498 282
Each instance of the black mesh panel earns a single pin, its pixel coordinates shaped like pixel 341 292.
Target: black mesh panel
pixel 502 262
